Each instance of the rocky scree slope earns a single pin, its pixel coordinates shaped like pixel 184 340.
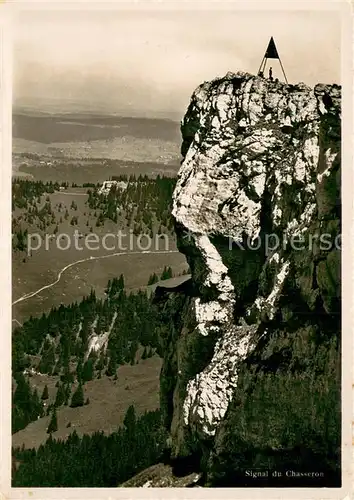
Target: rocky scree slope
pixel 251 372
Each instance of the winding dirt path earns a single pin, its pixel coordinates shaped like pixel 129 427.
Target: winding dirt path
pixel 29 295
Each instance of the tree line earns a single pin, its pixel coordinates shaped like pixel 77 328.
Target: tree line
pixel 144 203
pixel 93 460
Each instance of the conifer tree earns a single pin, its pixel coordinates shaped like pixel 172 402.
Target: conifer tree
pixel 153 279
pixel 60 396
pixel 78 397
pixel 130 418
pixel 67 393
pixel 112 366
pixel 166 273
pixel 87 370
pixel 36 409
pixel 121 282
pixel 53 424
pixel 45 394
pixel 79 370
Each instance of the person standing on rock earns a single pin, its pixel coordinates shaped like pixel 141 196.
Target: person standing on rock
pixel 270 73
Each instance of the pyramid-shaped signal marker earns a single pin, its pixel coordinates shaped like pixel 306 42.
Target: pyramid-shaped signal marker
pixel 271 53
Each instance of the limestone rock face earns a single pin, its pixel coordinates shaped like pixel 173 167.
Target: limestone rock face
pixel 257 211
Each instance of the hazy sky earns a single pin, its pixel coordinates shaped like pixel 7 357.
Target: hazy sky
pixel 148 63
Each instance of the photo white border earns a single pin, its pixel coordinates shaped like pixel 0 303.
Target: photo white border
pixel 8 12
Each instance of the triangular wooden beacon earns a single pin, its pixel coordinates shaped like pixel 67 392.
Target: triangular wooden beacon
pixel 271 53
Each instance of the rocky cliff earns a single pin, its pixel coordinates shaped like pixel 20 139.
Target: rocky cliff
pixel 251 374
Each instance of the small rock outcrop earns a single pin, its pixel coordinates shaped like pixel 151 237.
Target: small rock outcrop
pixel 162 476
pixel 254 340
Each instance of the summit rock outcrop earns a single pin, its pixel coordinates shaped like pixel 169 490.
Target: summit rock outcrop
pixel 257 214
